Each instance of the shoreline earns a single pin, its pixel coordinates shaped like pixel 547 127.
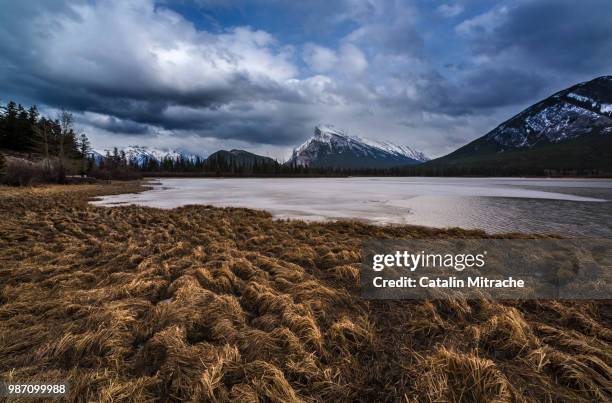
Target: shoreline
pixel 205 303
pixel 306 176
pixel 442 203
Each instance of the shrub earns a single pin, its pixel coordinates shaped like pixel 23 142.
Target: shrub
pixel 115 174
pixel 21 172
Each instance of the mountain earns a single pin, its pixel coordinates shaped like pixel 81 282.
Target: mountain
pixel 331 147
pixel 238 158
pixel 96 156
pixel 141 154
pixel 568 131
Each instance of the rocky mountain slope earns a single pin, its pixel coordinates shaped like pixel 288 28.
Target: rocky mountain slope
pixel 571 129
pixel 332 147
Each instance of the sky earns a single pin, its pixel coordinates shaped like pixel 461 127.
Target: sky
pixel 201 75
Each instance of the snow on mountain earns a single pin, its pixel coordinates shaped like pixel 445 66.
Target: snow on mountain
pixel 396 149
pixel 96 156
pixel 142 154
pixel 568 132
pixel 579 110
pixel 330 146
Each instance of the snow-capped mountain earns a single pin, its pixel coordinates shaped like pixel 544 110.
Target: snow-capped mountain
pixel 583 109
pixel 332 147
pixel 569 131
pixel 141 154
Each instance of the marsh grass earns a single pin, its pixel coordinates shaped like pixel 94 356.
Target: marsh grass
pixel 209 304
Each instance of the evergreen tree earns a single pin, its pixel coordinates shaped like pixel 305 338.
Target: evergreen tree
pixel 30 131
pixel 22 138
pixel 10 125
pixel 84 148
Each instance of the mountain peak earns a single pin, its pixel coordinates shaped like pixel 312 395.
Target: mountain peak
pixel 328 131
pixel 331 146
pixel 569 130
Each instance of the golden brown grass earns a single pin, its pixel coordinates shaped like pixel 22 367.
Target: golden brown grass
pixel 207 304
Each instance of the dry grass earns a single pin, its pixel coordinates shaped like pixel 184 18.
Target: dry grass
pixel 209 304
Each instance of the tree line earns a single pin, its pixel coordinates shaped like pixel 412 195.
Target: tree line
pixel 49 145
pixel 25 130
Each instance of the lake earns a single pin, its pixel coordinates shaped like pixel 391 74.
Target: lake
pixel 575 207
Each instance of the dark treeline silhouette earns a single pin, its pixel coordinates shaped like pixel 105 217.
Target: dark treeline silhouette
pixel 41 148
pixel 24 130
pixel 485 171
pixel 199 167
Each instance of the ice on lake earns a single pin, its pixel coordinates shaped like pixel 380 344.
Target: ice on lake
pixel 566 206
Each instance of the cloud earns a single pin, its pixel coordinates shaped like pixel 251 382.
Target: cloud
pixel 353 59
pixel 560 35
pixel 319 58
pixel 113 124
pixel 494 87
pixel 398 36
pixel 450 10
pixel 150 64
pixel 348 59
pixel 150 70
pixel 483 23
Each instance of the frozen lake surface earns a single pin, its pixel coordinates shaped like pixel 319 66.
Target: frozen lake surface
pixel 576 207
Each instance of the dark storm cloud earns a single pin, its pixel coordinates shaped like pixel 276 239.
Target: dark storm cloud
pixel 116 125
pixel 476 92
pixel 151 106
pixel 490 88
pixel 136 81
pixel 563 35
pixel 522 51
pixel 138 68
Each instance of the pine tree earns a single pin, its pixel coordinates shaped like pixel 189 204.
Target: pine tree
pixel 10 125
pixel 30 131
pixel 84 148
pixel 22 137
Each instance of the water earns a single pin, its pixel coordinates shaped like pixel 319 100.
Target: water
pixel 575 207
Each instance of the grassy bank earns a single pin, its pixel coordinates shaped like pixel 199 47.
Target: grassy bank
pixel 209 304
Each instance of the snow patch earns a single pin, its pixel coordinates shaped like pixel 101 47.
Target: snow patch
pixel 606 108
pixel 580 98
pixel 555 123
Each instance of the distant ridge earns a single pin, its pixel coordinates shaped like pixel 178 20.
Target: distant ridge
pixel 239 158
pixel 140 155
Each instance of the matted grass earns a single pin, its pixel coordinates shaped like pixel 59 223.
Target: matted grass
pixel 208 304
